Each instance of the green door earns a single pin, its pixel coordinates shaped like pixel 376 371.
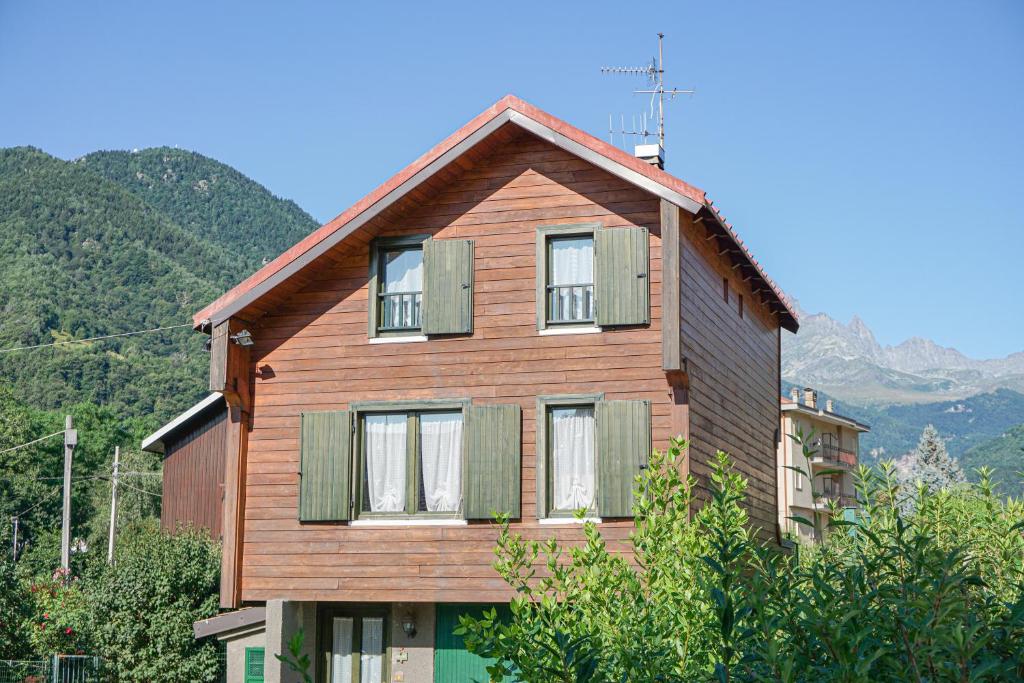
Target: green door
pixel 452 662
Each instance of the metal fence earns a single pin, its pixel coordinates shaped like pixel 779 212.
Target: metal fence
pixel 24 672
pixel 58 669
pixel 73 669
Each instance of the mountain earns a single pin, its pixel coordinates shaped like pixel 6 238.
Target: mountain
pixel 1005 453
pixel 89 252
pixel 849 363
pixel 209 199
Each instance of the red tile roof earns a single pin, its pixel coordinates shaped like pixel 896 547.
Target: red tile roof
pixel 509 102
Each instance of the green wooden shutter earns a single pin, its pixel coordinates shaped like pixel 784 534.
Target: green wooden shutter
pixel 622 291
pixel 325 473
pixel 447 286
pixel 623 446
pixel 493 461
pixel 254 664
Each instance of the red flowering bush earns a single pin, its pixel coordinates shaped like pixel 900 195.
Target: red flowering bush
pixel 54 625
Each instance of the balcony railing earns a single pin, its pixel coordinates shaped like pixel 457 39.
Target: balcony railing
pixel 571 303
pixel 827 498
pixel 833 455
pixel 400 310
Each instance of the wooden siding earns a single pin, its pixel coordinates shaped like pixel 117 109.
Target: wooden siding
pixel 312 354
pixel 193 481
pixel 732 364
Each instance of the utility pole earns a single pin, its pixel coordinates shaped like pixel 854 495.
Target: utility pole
pixel 113 506
pixel 14 549
pixel 70 440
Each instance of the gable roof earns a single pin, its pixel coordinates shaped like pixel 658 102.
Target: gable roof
pixel 514 111
pixel 154 443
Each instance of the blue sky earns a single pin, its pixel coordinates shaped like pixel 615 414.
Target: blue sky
pixel 868 152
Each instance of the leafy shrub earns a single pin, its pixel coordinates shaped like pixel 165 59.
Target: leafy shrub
pixel 141 610
pixel 15 608
pixel 58 613
pixel 932 595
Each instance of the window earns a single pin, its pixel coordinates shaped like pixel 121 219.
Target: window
pixel 725 289
pixel 571 454
pixel 354 645
pixel 400 297
pixel 412 463
pixel 589 452
pixel 739 305
pixel 254 664
pixel 592 277
pixel 570 279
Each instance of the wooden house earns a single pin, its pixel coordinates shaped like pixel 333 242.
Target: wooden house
pixel 509 325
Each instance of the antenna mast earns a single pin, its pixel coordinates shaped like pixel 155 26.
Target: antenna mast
pixel 655 72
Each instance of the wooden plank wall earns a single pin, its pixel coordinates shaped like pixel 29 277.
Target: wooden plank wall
pixel 193 481
pixel 733 366
pixel 312 354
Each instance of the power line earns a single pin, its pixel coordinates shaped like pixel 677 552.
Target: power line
pixel 90 339
pixel 135 488
pixel 55 490
pixel 41 501
pixel 42 438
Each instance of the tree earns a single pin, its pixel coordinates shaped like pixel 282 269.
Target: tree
pixel 891 596
pixel 930 464
pixel 141 610
pixel 15 608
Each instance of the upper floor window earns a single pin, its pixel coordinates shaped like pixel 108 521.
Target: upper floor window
pixel 401 289
pixel 570 278
pixel 589 276
pixel 420 286
pixel 412 462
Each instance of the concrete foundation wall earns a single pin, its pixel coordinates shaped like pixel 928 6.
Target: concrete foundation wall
pixel 412 659
pixel 284 619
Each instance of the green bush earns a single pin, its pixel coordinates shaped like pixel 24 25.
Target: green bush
pixel 141 610
pixel 15 609
pixel 936 594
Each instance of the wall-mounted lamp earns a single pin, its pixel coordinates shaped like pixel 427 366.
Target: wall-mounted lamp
pixel 409 624
pixel 243 338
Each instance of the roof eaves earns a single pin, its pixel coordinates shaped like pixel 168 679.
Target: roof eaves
pixel 154 443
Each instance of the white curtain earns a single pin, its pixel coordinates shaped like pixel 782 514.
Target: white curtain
pixel 403 271
pixel 441 448
pixel 371 661
pixel 341 651
pixel 572 263
pixel 385 461
pixel 572 456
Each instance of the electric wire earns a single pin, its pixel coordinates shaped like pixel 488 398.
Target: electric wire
pixel 91 339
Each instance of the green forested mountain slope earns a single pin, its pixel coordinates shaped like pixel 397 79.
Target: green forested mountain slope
pixel 83 256
pixel 209 199
pixel 1005 454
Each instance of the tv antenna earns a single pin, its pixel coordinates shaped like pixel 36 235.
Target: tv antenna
pixel 655 73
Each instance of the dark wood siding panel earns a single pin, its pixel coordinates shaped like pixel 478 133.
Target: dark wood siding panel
pixel 314 354
pixel 193 481
pixel 733 366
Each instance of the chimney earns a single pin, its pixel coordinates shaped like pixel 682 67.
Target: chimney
pixel 828 406
pixel 810 397
pixel 652 154
pixel 794 395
